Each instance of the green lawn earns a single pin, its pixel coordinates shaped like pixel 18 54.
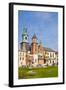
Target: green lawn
pixel 50 71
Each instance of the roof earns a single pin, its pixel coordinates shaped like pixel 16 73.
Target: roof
pixel 49 49
pixel 34 36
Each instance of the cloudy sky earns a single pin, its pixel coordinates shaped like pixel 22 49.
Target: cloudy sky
pixel 43 24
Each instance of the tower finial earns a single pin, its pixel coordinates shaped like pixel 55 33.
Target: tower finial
pixel 24 30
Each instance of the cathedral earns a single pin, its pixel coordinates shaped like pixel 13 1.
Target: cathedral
pixel 34 54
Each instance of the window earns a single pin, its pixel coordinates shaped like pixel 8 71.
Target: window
pixel 20 58
pixel 20 53
pixel 32 62
pixel 51 54
pixel 26 38
pixel 50 61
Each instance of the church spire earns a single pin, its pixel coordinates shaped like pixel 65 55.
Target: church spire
pixel 24 30
pixel 24 35
pixel 34 36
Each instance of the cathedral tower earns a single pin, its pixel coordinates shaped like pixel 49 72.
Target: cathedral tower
pixel 34 46
pixel 40 48
pixel 25 35
pixel 24 40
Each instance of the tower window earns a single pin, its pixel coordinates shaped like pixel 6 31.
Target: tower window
pixel 25 37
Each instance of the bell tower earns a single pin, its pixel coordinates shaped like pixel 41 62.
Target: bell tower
pixel 25 35
pixel 24 40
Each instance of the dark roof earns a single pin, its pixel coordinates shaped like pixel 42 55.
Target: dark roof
pixel 34 36
pixel 49 49
pixel 56 52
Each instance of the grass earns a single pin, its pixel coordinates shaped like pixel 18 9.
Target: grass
pixel 50 71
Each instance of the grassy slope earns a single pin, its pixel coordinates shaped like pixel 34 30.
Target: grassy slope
pixel 39 72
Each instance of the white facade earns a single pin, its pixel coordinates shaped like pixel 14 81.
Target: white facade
pixel 22 58
pixel 51 59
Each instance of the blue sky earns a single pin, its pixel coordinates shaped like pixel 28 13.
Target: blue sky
pixel 43 24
